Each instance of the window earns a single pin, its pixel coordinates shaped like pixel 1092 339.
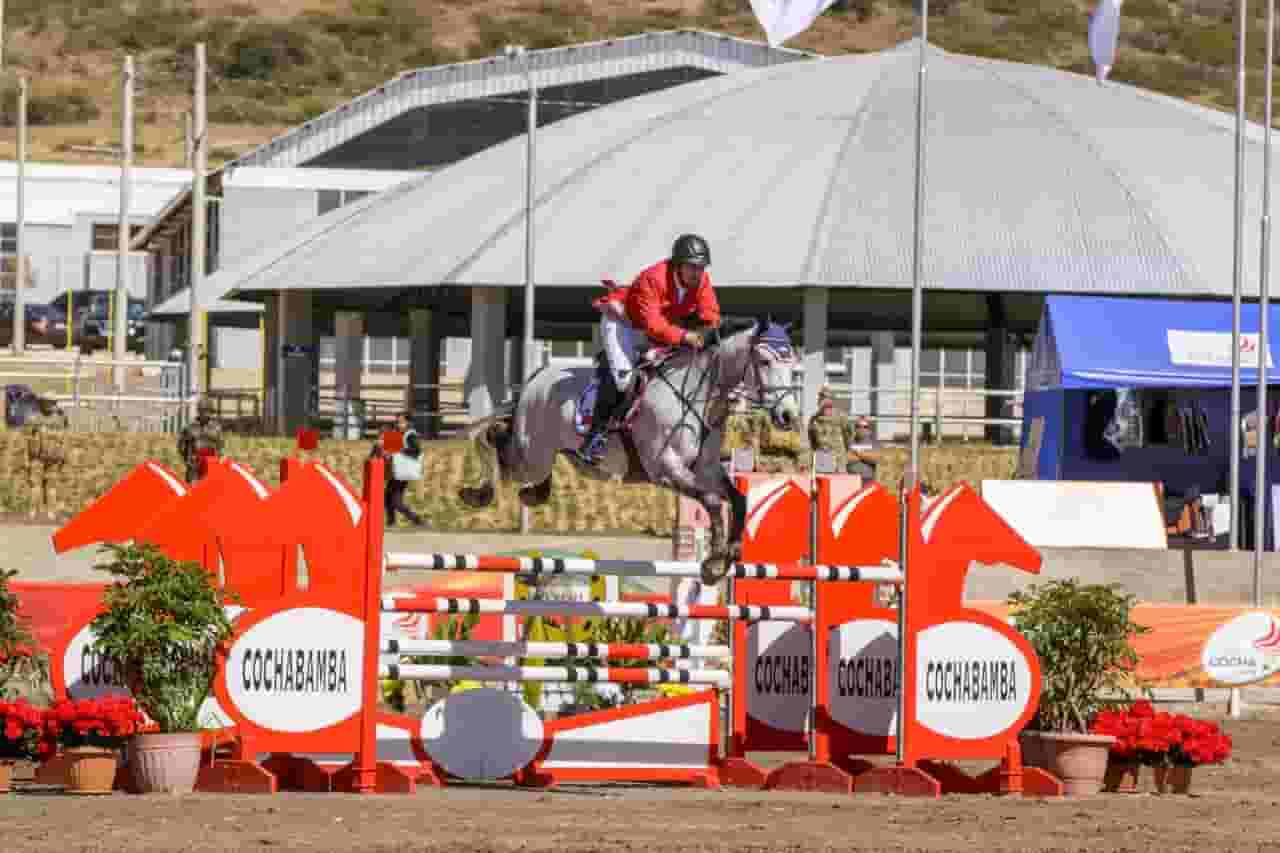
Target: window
pixel 106 237
pixel 9 238
pixel 327 200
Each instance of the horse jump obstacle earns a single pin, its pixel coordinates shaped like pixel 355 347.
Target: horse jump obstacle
pixel 339 531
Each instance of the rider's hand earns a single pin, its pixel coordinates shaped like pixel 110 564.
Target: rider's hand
pixel 694 339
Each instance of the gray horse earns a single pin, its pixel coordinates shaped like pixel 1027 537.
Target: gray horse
pixel 673 434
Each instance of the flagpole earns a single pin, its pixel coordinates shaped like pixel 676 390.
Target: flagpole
pixel 1264 287
pixel 917 314
pixel 1233 537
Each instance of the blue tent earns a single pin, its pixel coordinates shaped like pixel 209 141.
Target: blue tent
pixel 1175 353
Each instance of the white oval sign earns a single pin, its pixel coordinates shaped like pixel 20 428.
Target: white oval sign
pixel 971 681
pixel 862 672
pixel 1243 651
pixel 88 673
pixel 482 733
pixel 298 671
pixel 779 674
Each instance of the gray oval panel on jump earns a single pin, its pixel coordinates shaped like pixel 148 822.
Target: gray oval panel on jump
pixel 482 734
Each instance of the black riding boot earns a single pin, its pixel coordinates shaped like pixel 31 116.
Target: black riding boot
pixel 596 440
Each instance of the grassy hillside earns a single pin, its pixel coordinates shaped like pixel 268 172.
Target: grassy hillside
pixel 276 63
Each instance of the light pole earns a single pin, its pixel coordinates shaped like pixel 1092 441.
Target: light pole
pixel 120 318
pixel 529 361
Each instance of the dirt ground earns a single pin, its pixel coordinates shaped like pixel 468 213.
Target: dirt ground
pixel 1234 807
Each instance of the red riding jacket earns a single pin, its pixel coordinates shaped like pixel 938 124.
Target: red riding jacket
pixel 652 307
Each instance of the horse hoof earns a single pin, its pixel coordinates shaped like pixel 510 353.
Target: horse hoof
pixel 477 497
pixel 714 569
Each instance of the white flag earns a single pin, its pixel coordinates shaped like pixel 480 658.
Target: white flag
pixel 1104 30
pixel 782 19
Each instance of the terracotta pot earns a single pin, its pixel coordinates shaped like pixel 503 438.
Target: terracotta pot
pixel 1179 779
pixel 6 776
pixel 1122 776
pixel 164 764
pixel 1160 777
pixel 91 770
pixel 1079 760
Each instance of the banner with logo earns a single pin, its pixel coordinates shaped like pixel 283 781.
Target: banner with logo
pixel 1192 645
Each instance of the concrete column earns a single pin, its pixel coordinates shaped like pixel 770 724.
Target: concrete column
pixel 348 327
pixel 1002 361
pixel 299 359
pixel 816 301
pixel 883 376
pixel 271 363
pixel 424 368
pixel 484 385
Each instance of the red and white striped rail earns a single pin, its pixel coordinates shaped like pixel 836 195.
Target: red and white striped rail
pixel 603 675
pixel 885 573
pixel 598 651
pixel 628 609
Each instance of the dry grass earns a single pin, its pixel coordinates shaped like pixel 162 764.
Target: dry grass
pixel 96 462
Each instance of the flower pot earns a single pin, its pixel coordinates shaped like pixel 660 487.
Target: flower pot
pixel 1180 779
pixel 1122 776
pixel 1079 760
pixel 1160 778
pixel 166 763
pixel 90 770
pixel 6 776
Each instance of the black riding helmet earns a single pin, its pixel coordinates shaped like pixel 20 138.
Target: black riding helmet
pixel 691 249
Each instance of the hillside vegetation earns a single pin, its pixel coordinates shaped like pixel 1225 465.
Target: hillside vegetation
pixel 277 63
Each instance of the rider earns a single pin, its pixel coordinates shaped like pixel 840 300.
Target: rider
pixel 656 309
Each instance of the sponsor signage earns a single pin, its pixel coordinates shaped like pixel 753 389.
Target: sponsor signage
pixel 1245 650
pixel 779 674
pixel 1213 349
pixel 972 682
pixel 299 670
pixel 863 664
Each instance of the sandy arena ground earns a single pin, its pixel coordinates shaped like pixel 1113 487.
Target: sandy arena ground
pixel 1235 807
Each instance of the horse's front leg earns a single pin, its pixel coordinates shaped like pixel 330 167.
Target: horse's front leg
pixel 707 492
pixel 737 514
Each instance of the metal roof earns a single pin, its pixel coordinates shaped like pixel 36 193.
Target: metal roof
pixel 1037 180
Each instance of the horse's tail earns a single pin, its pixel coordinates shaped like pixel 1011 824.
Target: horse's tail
pixel 493 439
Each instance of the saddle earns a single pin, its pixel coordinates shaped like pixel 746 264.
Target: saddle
pixel 646 366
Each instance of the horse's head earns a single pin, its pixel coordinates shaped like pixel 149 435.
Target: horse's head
pixel 769 368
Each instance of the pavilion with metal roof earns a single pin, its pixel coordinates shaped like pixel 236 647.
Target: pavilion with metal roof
pixel 800 176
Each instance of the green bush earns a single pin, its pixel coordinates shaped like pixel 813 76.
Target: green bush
pixel 262 49
pixel 164 621
pixel 56 108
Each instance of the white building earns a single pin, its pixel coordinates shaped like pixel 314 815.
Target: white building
pixel 71 223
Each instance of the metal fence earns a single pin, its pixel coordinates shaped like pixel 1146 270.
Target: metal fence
pixel 103 395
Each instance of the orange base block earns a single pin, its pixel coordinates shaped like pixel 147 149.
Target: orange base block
pixel 387 779
pixel 741 773
pixel 236 777
pixel 813 776
pixel 897 779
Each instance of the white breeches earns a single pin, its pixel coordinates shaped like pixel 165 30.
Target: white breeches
pixel 623 344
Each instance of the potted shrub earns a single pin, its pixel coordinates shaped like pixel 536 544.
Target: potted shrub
pixel 1196 742
pixel 1082 635
pixel 23 666
pixel 164 625
pixel 92 733
pixel 1143 738
pixel 21 738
